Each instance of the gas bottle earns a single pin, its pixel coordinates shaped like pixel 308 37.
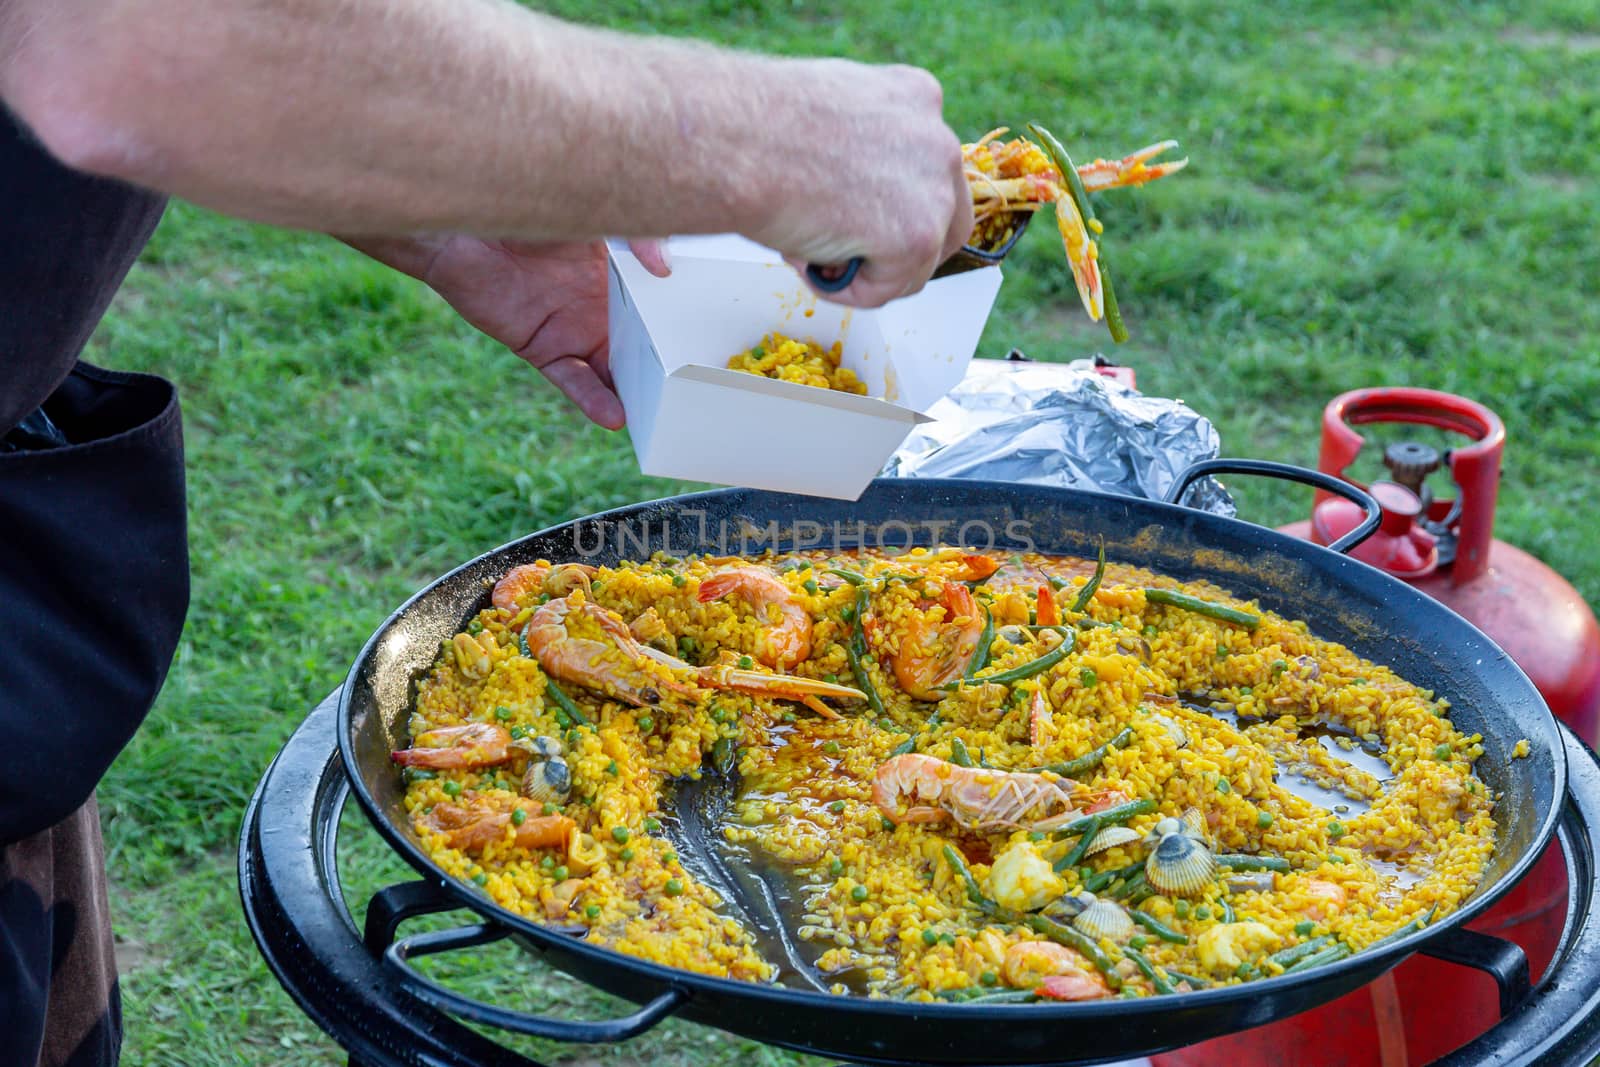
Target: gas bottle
pixel 1444 546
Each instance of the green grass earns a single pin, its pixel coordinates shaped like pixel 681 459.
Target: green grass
pixel 1379 194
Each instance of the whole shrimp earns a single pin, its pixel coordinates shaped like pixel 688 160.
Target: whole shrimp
pixel 476 744
pixel 616 663
pixel 473 827
pixel 786 640
pixel 934 653
pixel 977 798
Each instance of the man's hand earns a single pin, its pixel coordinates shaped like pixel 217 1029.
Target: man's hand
pixel 544 301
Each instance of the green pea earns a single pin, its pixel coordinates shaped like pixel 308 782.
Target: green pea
pixel 948 939
pixel 560 873
pixel 858 894
pixel 1441 752
pixel 1279 666
pixel 1264 819
pixel 678 580
pixel 836 807
pixel 930 936
pixel 451 788
pixel 592 911
pixel 1336 829
pixel 1244 970
pixel 888 826
pixel 836 868
pixel 1088 677
pixel 810 586
pixel 1137 942
pixel 1245 690
pixel 518 732
pixel 652 825
pixel 519 816
pixel 626 855
pixel 502 713
pixel 1202 912
pixel 1334 857
pixel 831 679
pixel 1223 787
pixel 548 809
pixel 886 724
pixel 1223 652
pixel 788 716
pixel 1151 630
pixel 646 724
pixel 669 857
pixel 611 768
pixel 420 774
pixel 1180 908
pixel 480 879
pixel 547 862
pixel 619 834
pixel 745 663
pixel 1304 927
pixel 475 626
pixel 831 748
pixel 988 978
pixel 674 887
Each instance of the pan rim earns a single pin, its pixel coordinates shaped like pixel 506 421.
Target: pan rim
pixel 665 976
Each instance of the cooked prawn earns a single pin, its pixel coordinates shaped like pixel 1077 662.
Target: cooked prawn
pixel 977 798
pixel 1039 719
pixel 725 674
pixel 1327 898
pixel 477 744
pixel 934 653
pixel 472 828
pixel 515 590
pixel 786 639
pixel 616 664
pixel 1056 971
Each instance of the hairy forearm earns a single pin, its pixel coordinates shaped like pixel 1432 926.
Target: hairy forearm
pixel 396 116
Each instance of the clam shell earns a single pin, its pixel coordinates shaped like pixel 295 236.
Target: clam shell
pixel 1180 864
pixel 1165 828
pixel 1104 919
pixel 548 781
pixel 1111 837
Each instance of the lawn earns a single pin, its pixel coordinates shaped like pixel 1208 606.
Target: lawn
pixel 1379 194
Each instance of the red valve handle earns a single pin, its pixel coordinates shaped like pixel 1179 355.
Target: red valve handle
pixel 1475 467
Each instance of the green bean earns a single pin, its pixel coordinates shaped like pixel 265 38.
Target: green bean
pixel 1080 199
pixel 1243 861
pixel 1087 592
pixel 1175 599
pixel 1130 887
pixel 564 702
pixel 855 651
pixel 1157 927
pixel 1328 955
pixel 1066 935
pixel 855 578
pixel 1162 985
pixel 974 891
pixel 959 754
pixel 908 745
pixel 994 996
pixel 1294 954
pixel 1091 759
pixel 1109 817
pixel 1179 976
pixel 980 654
pixel 1114 323
pixel 724 755
pixel 1227 912
pixel 1034 666
pixel 1405 931
pixel 1098 881
pixel 1084 841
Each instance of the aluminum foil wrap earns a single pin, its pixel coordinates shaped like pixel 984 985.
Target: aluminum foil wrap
pixel 1015 420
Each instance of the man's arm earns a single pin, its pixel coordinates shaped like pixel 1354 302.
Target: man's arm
pixel 476 116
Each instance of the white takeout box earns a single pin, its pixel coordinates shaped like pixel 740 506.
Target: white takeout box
pixel 691 417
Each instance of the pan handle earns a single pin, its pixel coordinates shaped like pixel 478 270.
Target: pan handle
pixel 389 907
pixel 1290 473
pixel 1502 960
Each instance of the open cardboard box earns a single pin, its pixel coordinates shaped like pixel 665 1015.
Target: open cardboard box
pixel 691 417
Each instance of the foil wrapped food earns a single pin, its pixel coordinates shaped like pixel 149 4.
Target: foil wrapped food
pixel 1063 424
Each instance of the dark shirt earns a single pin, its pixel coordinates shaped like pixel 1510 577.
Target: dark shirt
pixel 66 241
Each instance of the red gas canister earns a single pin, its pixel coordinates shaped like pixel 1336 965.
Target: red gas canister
pixel 1445 547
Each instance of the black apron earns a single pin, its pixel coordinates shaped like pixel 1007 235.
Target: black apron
pixel 93 589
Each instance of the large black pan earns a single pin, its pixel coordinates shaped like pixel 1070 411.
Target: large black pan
pixel 1342 599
